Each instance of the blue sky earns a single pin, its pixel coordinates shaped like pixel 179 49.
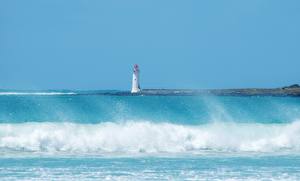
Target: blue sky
pixel 93 44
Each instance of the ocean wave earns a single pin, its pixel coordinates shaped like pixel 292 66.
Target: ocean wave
pixel 147 137
pixel 35 93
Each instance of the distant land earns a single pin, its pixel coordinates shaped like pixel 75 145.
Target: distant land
pixel 293 90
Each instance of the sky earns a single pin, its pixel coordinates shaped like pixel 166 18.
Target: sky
pixel 93 44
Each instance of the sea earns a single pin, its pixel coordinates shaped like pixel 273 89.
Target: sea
pixel 100 135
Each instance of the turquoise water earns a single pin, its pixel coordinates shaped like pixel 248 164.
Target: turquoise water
pixel 61 135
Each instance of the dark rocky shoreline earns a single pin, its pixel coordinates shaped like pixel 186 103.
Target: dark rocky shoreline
pixel 293 90
pixel 225 92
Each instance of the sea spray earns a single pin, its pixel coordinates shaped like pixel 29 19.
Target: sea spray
pixel 148 137
pixel 185 110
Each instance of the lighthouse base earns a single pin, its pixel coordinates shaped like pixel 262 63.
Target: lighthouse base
pixel 135 90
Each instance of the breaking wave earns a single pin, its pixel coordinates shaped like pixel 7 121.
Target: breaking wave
pixel 148 137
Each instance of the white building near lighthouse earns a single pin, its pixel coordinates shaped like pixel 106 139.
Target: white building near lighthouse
pixel 135 80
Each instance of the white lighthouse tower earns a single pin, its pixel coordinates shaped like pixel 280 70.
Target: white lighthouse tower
pixel 135 80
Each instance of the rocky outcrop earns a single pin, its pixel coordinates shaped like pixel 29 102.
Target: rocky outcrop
pixel 294 86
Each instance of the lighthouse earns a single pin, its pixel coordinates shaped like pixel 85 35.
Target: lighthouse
pixel 135 80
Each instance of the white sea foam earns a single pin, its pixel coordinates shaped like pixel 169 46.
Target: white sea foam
pixel 147 137
pixel 36 93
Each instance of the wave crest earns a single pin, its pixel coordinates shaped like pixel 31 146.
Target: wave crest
pixel 35 93
pixel 147 137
